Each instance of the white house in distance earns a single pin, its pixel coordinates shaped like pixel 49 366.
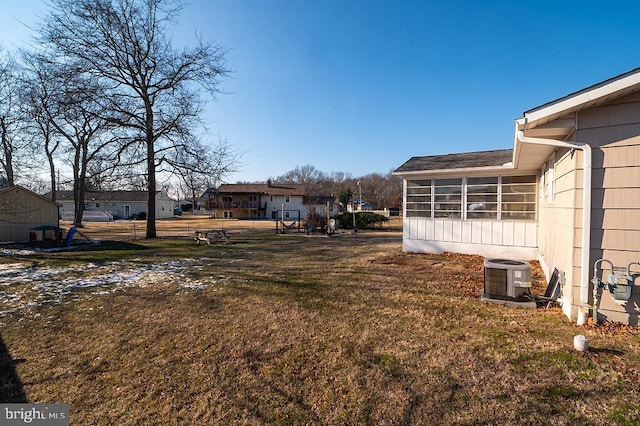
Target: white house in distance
pixel 257 200
pixel 579 153
pixel 264 201
pixel 110 205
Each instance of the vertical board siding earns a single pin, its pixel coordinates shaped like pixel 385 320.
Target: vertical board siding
pixel 486 233
pixel 430 234
pixel 507 233
pixel 466 229
pixel 456 228
pixel 492 233
pixel 476 232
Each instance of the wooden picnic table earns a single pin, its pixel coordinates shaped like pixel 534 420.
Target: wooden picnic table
pixel 215 234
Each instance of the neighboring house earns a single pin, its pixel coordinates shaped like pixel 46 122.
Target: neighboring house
pixel 322 204
pixel 264 201
pixel 112 205
pixel 358 205
pixel 579 153
pixel 22 210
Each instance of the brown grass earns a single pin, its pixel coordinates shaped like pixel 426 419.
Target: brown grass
pixel 313 330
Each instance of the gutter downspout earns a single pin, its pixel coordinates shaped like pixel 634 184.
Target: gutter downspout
pixel 586 200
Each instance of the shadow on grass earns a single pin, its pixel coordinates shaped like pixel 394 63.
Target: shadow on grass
pixel 111 245
pixel 11 389
pixel 605 351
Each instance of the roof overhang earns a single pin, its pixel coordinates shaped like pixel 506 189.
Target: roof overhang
pixel 558 120
pixel 597 94
pixel 531 156
pixel 476 171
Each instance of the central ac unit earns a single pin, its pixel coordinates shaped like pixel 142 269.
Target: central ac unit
pixel 508 282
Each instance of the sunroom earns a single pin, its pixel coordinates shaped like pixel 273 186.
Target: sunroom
pixel 472 203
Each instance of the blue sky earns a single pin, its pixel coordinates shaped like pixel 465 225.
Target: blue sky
pixel 362 86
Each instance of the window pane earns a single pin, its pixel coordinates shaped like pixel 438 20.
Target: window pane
pixel 491 207
pixel 448 182
pixel 518 207
pixel 482 189
pixel 482 215
pixel 419 206
pixel 448 198
pixel 519 189
pixel 482 198
pixel 440 198
pixel 483 181
pixel 419 183
pixel 518 198
pixel 418 213
pixel 419 191
pixel 519 179
pixel 518 215
pixel 445 190
pixel 418 198
pixel 446 213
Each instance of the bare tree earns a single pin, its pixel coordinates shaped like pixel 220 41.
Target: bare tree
pixel 202 166
pixel 125 44
pixel 307 175
pixel 380 190
pixel 37 99
pixel 88 137
pixel 10 117
pixel 64 104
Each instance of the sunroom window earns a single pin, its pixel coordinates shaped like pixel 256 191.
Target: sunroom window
pixel 490 197
pixel 482 198
pixel 518 197
pixel 418 198
pixel 447 198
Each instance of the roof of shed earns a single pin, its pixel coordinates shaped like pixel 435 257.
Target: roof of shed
pixel 466 160
pixel 9 189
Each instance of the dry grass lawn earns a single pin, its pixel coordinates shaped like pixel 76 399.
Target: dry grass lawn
pixel 290 329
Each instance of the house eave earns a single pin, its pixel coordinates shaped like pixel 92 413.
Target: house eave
pixel 459 171
pixel 595 95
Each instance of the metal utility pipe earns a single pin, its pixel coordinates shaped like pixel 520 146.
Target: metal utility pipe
pixel 596 284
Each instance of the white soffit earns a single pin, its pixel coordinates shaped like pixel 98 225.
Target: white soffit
pixel 532 156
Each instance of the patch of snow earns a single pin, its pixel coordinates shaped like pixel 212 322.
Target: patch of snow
pixel 23 286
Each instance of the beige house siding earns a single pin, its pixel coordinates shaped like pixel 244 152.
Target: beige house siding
pixel 613 132
pixel 21 210
pixel 558 224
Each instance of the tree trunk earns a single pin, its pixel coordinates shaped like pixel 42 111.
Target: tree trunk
pixel 78 198
pixel 52 176
pixel 8 153
pixel 151 178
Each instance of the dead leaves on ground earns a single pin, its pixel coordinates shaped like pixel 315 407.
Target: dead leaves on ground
pixel 455 273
